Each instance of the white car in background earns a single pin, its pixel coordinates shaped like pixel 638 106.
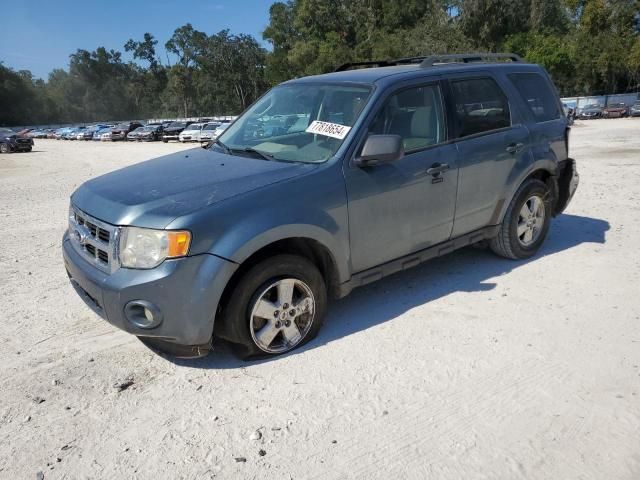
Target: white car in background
pixel 207 132
pixel 191 133
pixel 218 131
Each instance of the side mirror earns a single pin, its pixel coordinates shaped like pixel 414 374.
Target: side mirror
pixel 379 149
pixel 206 144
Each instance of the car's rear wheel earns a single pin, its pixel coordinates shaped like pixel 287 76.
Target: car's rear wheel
pixel 4 148
pixel 526 223
pixel 277 306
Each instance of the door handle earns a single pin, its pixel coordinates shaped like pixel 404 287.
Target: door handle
pixel 515 147
pixel 437 169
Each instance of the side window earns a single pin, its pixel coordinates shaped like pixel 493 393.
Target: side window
pixel 416 114
pixel 481 106
pixel 537 94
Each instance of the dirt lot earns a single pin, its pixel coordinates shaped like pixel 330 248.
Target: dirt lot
pixel 468 367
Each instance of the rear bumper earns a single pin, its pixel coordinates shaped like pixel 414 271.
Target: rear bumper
pixel 568 181
pixel 185 291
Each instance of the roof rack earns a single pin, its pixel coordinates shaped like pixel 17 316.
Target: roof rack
pixel 352 65
pixel 432 60
pixel 468 58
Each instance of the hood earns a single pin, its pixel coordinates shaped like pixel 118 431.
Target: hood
pixel 615 109
pixel 153 193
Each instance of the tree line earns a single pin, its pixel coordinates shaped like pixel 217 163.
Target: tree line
pixel 588 47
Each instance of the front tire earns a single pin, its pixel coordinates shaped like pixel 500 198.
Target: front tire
pixel 277 305
pixel 526 223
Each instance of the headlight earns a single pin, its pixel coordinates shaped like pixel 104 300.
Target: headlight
pixel 146 248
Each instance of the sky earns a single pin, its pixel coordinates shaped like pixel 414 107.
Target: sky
pixel 39 35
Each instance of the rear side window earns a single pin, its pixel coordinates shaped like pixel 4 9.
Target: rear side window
pixel 537 94
pixel 480 105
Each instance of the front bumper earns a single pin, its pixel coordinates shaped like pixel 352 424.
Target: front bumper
pixel 21 146
pixel 186 291
pixel 170 137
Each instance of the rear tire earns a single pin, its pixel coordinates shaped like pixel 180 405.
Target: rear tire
pixel 4 148
pixel 277 306
pixel 526 223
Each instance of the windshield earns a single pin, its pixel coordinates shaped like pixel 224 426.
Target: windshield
pixel 302 123
pixel 6 131
pixel 177 125
pixel 194 126
pixel 149 128
pixel 211 126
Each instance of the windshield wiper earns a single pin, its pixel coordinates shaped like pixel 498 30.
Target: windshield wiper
pixel 226 149
pixel 264 155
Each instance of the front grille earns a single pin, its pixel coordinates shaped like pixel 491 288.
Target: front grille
pixel 95 240
pixel 100 233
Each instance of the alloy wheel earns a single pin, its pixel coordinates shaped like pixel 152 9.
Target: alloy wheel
pixel 282 315
pixel 531 220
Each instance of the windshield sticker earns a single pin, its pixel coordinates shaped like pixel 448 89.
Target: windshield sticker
pixel 333 130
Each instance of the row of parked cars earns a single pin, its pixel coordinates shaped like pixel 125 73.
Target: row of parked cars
pixel 613 110
pixel 182 131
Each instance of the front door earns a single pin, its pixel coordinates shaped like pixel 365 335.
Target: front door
pixel 399 208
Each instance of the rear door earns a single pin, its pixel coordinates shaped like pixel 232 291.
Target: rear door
pixel 490 141
pixel 543 115
pixel 399 208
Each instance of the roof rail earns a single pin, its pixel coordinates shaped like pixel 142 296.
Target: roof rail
pixel 352 65
pixel 380 63
pixel 432 60
pixel 467 58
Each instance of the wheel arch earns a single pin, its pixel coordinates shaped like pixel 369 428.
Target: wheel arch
pixel 311 249
pixel 546 172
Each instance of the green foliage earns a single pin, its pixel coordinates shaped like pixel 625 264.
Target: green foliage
pixel 588 47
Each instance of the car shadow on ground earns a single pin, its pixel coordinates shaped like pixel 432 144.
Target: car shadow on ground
pixel 467 270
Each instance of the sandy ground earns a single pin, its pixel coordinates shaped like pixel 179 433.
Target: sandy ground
pixel 468 367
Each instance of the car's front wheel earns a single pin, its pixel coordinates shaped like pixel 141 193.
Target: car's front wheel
pixel 277 305
pixel 526 223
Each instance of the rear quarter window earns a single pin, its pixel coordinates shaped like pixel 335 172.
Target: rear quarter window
pixel 537 95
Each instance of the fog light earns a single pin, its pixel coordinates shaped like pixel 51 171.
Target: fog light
pixel 143 314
